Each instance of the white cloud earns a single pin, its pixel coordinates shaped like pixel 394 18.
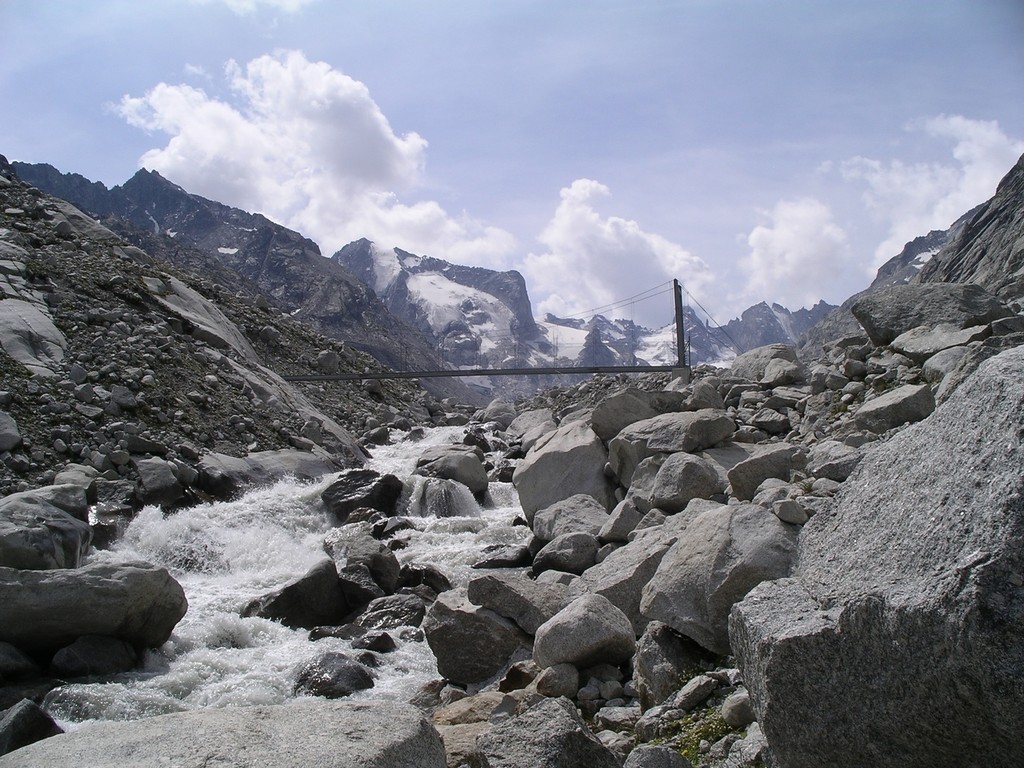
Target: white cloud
pixel 797 257
pixel 307 146
pixel 592 261
pixel 915 198
pixel 249 6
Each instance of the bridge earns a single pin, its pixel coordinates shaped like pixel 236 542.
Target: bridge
pixel 681 369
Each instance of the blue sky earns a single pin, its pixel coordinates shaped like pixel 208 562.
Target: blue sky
pixel 756 149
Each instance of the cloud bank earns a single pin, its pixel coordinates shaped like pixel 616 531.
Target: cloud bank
pixel 592 260
pixel 307 146
pixel 916 198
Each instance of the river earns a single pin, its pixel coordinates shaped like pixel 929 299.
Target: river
pixel 225 554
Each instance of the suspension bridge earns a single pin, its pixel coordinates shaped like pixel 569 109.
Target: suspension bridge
pixel 680 368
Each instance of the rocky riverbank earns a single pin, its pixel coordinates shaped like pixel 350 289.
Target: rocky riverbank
pixel 786 562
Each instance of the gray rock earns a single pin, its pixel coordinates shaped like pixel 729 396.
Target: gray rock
pixel 29 336
pixel 158 484
pixel 471 644
pixel 518 598
pixel 462 467
pixel 529 421
pixel 10 437
pixel 23 724
pixel 663 662
pixel 940 364
pixel 332 734
pixel 227 476
pixel 357 488
pixel 669 433
pixel 696 691
pixel 779 372
pixel 914 576
pixel 833 460
pixel 501 412
pixel 588 631
pixel 652 756
pixel 558 680
pixel 921 343
pixel 548 735
pixel 564 463
pixel 895 408
pixel 569 552
pixel 354 545
pixel 629 406
pixel 621 522
pixel 311 600
pixel 622 576
pixel 737 710
pixel 577 514
pixel 726 552
pixel 332 675
pixel 764 462
pixel 36 534
pixel 895 310
pixel 133 601
pixel 752 364
pixel 790 511
pixel 14 664
pixel 682 478
pixel 94 655
pixel 392 612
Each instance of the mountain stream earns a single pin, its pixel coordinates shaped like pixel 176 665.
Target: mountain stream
pixel 225 554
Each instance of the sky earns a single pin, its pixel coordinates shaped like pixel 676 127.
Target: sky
pixel 756 150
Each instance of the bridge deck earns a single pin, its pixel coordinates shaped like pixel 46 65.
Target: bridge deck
pixel 453 374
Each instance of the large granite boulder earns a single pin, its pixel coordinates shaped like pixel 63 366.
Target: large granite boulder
pixel 361 487
pixel 895 310
pixel 777 460
pixel 565 462
pixel 629 406
pixel 226 476
pixel 36 534
pixel 516 597
pixel 471 644
pixel 306 731
pixel 905 616
pixel 668 433
pixel 753 363
pixel 313 599
pixel 23 724
pixel 588 631
pixel 29 336
pixel 726 551
pixel 899 406
pixel 46 610
pixel 550 734
pixel 578 513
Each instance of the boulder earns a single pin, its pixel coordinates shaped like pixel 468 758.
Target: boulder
pixel 905 614
pixel 688 432
pixel 313 599
pixel 332 675
pixel 46 610
pixel 833 460
pixel 28 335
pixel 751 365
pixel 895 408
pixel 354 545
pixel 681 478
pixel 393 611
pixel 530 421
pixel 563 463
pixel 23 724
pixel 35 534
pixel 631 405
pixel 157 483
pixel 471 644
pixel 500 412
pixel 942 363
pixel 226 476
pixel 357 488
pixel 550 734
pixel 726 552
pixel 437 497
pixel 461 467
pixel 588 631
pixel 518 598
pixel 306 731
pixel 10 437
pixel 577 514
pixel 664 661
pixel 892 311
pixel 569 553
pixel 780 372
pixel 777 460
pixel 94 655
pixel 622 575
pixel 924 341
pixel 655 756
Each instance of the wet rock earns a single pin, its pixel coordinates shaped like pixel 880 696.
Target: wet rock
pixel 36 534
pixel 23 724
pixel 94 655
pixel 311 600
pixel 393 611
pixel 332 675
pixel 356 488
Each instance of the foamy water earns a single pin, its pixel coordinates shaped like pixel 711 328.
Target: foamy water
pixel 225 554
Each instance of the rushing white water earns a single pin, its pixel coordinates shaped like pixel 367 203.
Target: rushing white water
pixel 225 554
